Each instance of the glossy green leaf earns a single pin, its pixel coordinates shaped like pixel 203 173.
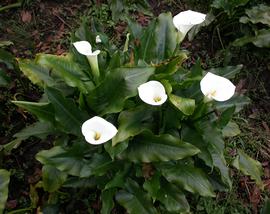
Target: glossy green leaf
pixel 171 66
pixel 107 201
pixel 37 74
pixel 4 79
pixel 7 58
pixel 227 72
pixel 52 178
pixel 188 177
pixel 173 198
pixel 239 101
pixel 43 111
pixel 225 117
pixel 159 40
pixel 229 6
pixel 231 130
pixel 257 14
pixel 66 111
pixel 38 129
pixel 117 8
pixel 120 84
pixel 134 200
pixel 67 69
pixel 165 36
pixel 266 207
pixel 149 148
pixel 248 166
pixel 215 145
pixel 113 151
pixel 132 122
pixel 4 182
pixel 261 39
pixel 152 185
pixel 73 161
pixel 185 105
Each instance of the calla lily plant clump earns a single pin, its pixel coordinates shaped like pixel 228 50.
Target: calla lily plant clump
pixel 132 122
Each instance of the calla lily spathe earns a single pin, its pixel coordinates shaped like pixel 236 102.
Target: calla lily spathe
pixel 152 93
pixel 85 48
pixel 217 87
pixel 97 130
pixel 185 20
pixel 98 39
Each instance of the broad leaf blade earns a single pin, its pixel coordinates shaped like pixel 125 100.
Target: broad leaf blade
pixel 185 105
pixel 68 70
pixel 135 200
pixel 149 148
pixel 43 111
pixel 37 74
pixel 188 177
pixel 52 178
pixel 120 84
pixel 4 182
pixel 248 166
pixel 132 122
pixel 66 111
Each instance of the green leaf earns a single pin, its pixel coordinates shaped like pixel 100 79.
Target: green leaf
pixel 227 72
pixel 120 84
pixel 66 111
pixel 52 178
pixel 231 130
pixel 73 161
pixel 132 122
pixel 4 79
pixel 117 8
pixel 159 40
pixel 43 111
pixel 185 105
pixel 215 145
pixel 173 198
pixel 113 151
pixel 188 177
pixel 107 201
pixel 4 182
pixel 238 101
pixel 152 185
pixel 225 117
pixel 38 129
pixel 261 39
pixel 257 14
pixel 37 74
pixel 165 36
pixel 134 199
pixel 149 148
pixel 248 166
pixel 266 207
pixel 67 69
pixel 171 66
pixel 229 6
pixel 7 58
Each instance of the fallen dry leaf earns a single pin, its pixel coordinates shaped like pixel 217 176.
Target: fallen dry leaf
pixel 26 16
pixel 255 198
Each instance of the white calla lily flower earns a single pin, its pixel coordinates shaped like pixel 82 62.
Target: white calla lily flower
pixel 217 87
pixel 97 130
pixel 153 93
pixel 85 48
pixel 185 20
pixel 98 39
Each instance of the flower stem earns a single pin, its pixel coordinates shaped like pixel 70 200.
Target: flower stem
pixel 94 66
